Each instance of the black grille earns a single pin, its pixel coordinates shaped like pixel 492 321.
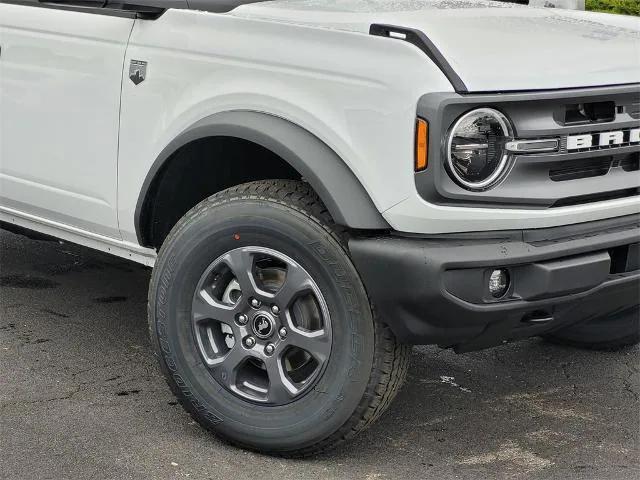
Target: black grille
pixel 596 197
pixel 576 169
pixel 631 163
pixel 593 167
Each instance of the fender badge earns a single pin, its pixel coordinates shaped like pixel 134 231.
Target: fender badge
pixel 137 71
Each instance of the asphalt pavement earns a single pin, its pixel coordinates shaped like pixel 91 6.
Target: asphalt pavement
pixel 81 396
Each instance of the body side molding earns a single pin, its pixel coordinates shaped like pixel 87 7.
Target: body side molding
pixel 340 190
pixel 15 220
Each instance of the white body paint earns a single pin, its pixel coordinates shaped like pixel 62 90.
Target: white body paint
pixel 610 138
pixel 78 138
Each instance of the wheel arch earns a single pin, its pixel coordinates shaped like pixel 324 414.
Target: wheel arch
pixel 334 182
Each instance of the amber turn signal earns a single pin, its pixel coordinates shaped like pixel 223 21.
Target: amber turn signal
pixel 422 144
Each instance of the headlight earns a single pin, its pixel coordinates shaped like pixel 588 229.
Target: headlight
pixel 476 154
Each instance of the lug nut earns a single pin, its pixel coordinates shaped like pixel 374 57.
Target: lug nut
pixel 275 309
pixel 242 319
pixel 269 349
pixel 249 342
pixel 282 332
pixel 255 303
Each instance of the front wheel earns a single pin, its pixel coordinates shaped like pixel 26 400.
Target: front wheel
pixel 262 325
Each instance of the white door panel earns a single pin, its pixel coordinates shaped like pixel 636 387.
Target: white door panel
pixel 60 81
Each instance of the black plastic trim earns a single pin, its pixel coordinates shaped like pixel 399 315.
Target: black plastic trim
pixel 334 182
pixel 146 9
pixel 553 90
pixel 433 290
pixel 74 8
pixel 420 40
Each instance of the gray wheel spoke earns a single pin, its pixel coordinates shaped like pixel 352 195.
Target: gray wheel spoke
pixel 226 371
pixel 316 343
pixel 281 390
pixel 206 307
pixel 240 261
pixel 213 344
pixel 296 282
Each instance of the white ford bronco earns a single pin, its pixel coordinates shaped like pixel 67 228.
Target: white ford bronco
pixel 320 183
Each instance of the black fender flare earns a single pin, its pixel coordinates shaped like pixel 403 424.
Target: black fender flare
pixel 340 190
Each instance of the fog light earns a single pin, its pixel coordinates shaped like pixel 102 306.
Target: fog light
pixel 499 282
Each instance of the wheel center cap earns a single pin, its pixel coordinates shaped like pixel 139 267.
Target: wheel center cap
pixel 263 326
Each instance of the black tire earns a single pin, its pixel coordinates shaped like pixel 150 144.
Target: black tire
pixel 613 332
pixel 366 366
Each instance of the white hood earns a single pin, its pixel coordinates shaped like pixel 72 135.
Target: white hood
pixel 492 46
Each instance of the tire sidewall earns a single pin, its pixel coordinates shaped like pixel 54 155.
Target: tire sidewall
pixel 194 244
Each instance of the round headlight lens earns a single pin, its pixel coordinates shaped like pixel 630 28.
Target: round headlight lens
pixel 476 154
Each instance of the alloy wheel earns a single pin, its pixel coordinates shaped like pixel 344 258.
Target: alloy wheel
pixel 262 325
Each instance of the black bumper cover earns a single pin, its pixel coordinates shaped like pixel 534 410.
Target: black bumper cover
pixel 433 290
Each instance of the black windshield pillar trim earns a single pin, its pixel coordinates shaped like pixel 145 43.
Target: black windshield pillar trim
pixel 420 40
pixel 143 9
pixel 73 8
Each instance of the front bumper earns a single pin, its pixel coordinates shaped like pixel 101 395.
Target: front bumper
pixel 433 290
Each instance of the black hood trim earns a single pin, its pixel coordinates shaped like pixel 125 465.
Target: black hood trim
pixel 420 40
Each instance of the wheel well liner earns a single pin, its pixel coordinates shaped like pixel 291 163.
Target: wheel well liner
pixel 342 193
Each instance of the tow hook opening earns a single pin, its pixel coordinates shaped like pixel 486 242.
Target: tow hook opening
pixel 537 317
